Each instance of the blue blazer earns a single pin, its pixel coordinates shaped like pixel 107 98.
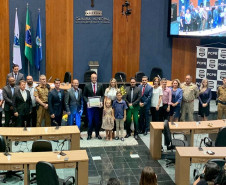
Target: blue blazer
pixel 56 106
pixel 146 98
pixel 179 95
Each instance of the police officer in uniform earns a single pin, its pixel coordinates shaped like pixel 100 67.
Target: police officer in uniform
pixel 190 92
pixel 221 96
pixel 41 95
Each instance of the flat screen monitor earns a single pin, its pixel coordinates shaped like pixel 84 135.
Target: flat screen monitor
pixel 198 18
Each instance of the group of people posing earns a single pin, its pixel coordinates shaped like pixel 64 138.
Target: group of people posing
pixel 202 17
pixel 28 104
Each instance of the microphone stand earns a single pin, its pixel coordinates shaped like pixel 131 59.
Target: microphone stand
pixel 57 125
pixel 61 152
pixel 25 126
pixel 172 123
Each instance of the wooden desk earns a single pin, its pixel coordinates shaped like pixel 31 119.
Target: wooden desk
pixel 77 159
pixel 188 128
pixel 71 133
pixel 187 155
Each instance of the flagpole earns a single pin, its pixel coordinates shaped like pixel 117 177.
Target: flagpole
pixel 28 67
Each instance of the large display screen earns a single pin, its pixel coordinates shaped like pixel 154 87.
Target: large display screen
pixel 198 18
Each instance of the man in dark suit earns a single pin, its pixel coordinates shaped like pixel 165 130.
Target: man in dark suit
pixel 15 74
pixel 74 104
pixel 91 90
pixel 56 103
pixel 132 98
pixel 22 105
pixel 8 93
pixel 145 103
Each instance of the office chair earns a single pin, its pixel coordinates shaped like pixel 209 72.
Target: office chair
pixel 67 77
pixel 171 143
pixel 139 76
pixel 155 72
pixel 220 140
pixel 87 75
pixel 46 174
pixel 40 146
pixel 120 77
pixel 9 173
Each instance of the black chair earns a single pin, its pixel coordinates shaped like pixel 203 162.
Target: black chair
pixel 9 173
pixel 40 146
pixel 87 75
pixel 171 143
pixel 220 140
pixel 67 77
pixel 120 77
pixel 139 76
pixel 155 72
pixel 46 175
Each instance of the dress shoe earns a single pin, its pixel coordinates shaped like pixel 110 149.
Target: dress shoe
pixel 145 133
pixel 89 137
pixel 140 132
pixel 122 139
pixel 127 135
pixel 117 138
pixel 99 137
pixel 136 137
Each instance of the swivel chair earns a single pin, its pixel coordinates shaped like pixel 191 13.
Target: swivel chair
pixel 155 72
pixel 139 76
pixel 67 77
pixel 87 75
pixel 10 173
pixel 171 143
pixel 220 140
pixel 120 77
pixel 46 175
pixel 40 146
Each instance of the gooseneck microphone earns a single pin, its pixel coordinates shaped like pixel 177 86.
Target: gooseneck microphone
pixel 25 125
pixel 57 125
pixel 172 123
pixel 61 150
pixel 200 145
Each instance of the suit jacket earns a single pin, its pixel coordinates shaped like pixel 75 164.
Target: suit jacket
pixel 72 104
pixel 88 91
pixel 179 95
pixel 8 97
pixel 20 76
pixel 21 106
pixel 136 96
pixel 56 106
pixel 146 98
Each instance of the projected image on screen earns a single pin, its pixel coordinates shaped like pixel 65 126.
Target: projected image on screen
pixel 198 17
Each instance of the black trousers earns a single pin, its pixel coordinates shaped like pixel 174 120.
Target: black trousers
pixel 9 118
pixel 164 115
pixel 20 120
pixel 33 117
pixel 155 114
pixel 144 120
pixel 0 119
pixel 58 119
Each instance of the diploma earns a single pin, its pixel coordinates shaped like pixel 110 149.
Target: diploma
pixel 94 101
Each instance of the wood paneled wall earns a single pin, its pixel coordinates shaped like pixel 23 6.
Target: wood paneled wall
pixel 59 38
pixel 184 57
pixel 126 39
pixel 4 41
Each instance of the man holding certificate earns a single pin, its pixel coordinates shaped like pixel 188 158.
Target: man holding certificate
pixel 93 95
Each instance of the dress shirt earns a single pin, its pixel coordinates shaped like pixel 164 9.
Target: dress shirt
pixel 143 89
pixel 12 90
pixel 15 75
pixel 24 94
pixel 167 96
pixel 59 94
pixel 76 93
pixel 31 90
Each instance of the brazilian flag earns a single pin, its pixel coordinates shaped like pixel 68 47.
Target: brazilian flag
pixel 28 45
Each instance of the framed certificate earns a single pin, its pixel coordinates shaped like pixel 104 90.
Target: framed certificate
pixel 94 101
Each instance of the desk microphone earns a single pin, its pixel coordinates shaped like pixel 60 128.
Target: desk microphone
pixel 172 123
pixel 121 78
pixel 49 79
pixel 57 125
pixel 159 77
pixel 200 145
pixel 61 152
pixel 25 125
pixel 6 153
pixel 198 120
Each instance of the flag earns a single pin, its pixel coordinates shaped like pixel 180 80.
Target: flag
pixel 16 44
pixel 28 46
pixel 38 44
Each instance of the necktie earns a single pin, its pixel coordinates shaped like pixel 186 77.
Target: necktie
pixel 15 76
pixel 132 95
pixel 143 90
pixel 94 89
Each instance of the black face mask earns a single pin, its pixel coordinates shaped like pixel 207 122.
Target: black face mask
pixel 29 83
pixel 12 85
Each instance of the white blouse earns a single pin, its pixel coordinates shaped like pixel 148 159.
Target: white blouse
pixel 155 96
pixel 111 93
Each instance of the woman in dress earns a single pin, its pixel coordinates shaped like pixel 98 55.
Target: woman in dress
pixel 205 96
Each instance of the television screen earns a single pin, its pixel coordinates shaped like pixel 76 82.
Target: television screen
pixel 198 18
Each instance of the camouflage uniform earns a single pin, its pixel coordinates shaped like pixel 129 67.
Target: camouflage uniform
pixel 190 92
pixel 221 107
pixel 42 93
